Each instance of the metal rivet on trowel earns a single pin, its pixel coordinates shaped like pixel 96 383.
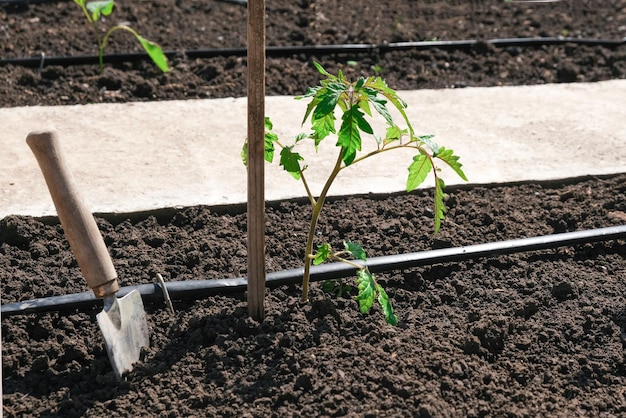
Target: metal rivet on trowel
pixel 166 294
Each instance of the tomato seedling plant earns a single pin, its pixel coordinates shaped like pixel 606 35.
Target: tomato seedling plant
pixel 357 101
pixel 94 10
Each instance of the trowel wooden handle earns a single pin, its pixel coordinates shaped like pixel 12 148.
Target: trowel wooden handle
pixel 77 221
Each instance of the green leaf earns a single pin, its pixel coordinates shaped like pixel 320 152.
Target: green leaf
pixel 322 127
pixel 381 107
pixel 244 153
pixel 385 304
pixel 301 136
pixel 364 105
pixel 269 139
pixel 393 133
pixel 427 139
pixel 323 252
pixel 447 156
pixel 311 92
pixel 379 85
pixel 336 286
pixel 440 207
pixel 355 250
pixel 349 138
pixel 155 52
pixel 340 76
pixel 367 290
pixel 290 161
pixel 81 3
pixel 97 8
pixel 419 169
pixel 329 286
pixel 363 124
pixel 268 124
pixel 328 99
pixel 322 71
pixel 268 154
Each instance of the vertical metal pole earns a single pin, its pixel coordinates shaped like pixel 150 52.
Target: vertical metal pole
pixel 256 149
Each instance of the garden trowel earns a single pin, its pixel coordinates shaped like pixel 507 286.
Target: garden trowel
pixel 122 321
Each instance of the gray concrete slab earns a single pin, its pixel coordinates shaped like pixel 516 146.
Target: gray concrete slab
pixel 142 156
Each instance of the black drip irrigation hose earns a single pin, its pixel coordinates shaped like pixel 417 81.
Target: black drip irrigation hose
pixel 285 51
pixel 197 289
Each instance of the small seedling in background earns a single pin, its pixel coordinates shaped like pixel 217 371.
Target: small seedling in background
pixel 377 69
pixel 356 100
pixel 93 10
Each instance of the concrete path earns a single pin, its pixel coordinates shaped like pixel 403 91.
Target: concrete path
pixel 141 156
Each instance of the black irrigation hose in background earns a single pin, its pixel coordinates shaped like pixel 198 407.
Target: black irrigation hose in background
pixel 283 51
pixel 197 289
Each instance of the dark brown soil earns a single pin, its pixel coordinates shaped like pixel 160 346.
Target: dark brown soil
pixel 533 334
pixel 58 29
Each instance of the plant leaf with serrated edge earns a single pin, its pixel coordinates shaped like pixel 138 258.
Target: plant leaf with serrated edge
pixel 155 52
pixel 380 85
pixel 364 104
pixel 100 8
pixel 268 123
pixel 427 139
pixel 419 169
pixel 385 304
pixel 310 108
pixel 447 156
pixel 349 138
pixel 323 252
pixel 355 250
pixel 301 136
pixel 270 138
pixel 380 105
pixel 310 92
pixel 393 133
pixel 440 207
pixel 290 161
pixel 328 102
pixel 363 124
pixel 359 83
pixel 322 127
pixel 367 290
pixel 268 153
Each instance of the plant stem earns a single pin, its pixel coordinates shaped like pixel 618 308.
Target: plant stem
pixel 308 190
pixel 105 40
pixel 317 209
pixel 96 34
pixel 346 261
pixel 411 144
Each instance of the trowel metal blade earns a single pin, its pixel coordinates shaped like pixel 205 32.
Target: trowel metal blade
pixel 125 331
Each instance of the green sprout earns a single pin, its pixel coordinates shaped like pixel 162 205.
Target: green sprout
pixel 357 101
pixel 93 10
pixel 378 69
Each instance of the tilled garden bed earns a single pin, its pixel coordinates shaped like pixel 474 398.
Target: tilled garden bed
pixel 538 333
pixel 520 335
pixel 58 29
